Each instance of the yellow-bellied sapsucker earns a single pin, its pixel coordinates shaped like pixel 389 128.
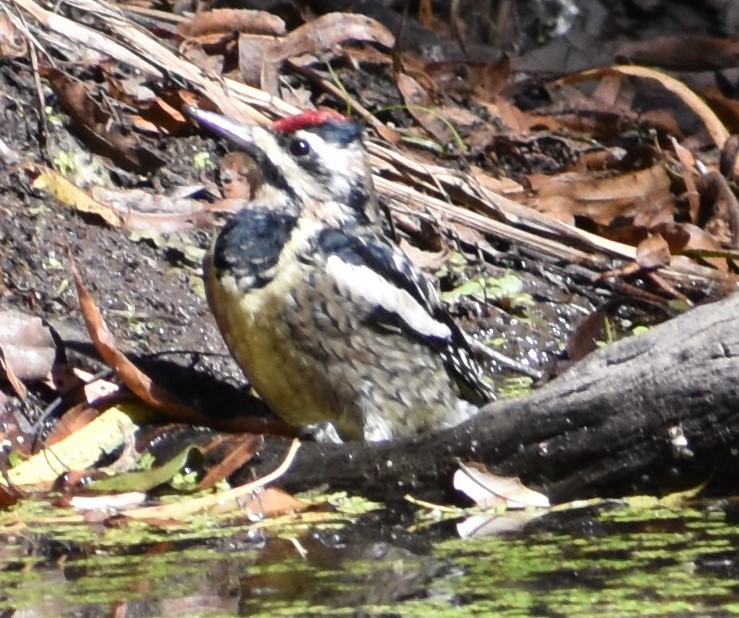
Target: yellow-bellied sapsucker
pixel 327 317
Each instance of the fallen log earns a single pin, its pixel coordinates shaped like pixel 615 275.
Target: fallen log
pixel 651 413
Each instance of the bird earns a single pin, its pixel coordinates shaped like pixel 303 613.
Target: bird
pixel 330 321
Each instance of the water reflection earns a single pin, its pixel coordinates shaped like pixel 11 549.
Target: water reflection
pixel 611 561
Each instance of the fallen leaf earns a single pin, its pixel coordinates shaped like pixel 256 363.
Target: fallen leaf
pixel 687 161
pixel 145 480
pixel 98 128
pixel 79 451
pixel 12 42
pixel 420 107
pixel 26 345
pixel 259 56
pixel 107 503
pixel 713 124
pixel 240 453
pixel 140 384
pixel 223 501
pixel 686 52
pixel 653 252
pixel 71 421
pixel 232 20
pixel 160 399
pixel 604 198
pixel 488 490
pixel 67 193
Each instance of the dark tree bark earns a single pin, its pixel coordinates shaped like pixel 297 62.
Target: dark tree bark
pixel 653 412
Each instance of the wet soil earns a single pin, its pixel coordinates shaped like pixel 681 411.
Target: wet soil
pixel 150 293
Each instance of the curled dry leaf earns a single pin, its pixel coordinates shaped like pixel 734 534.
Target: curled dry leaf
pixel 690 239
pixel 713 124
pixel 222 501
pixel 12 42
pixel 723 223
pixel 232 20
pixel 138 210
pixel 98 128
pixel 139 383
pixel 165 402
pixel 260 56
pixel 28 348
pixel 6 371
pixel 643 194
pixel 418 102
pixel 52 182
pixel 131 209
pixel 108 503
pixel 488 490
pixel 241 450
pixel 729 161
pixel 653 252
pixel 78 451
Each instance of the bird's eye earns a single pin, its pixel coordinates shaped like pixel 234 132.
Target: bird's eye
pixel 299 147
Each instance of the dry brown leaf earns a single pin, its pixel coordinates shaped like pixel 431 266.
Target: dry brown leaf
pixel 150 393
pixel 232 20
pixel 723 222
pixel 715 127
pixel 98 128
pixel 682 237
pixel 270 503
pixel 8 497
pixel 643 194
pixel 6 371
pixel 489 79
pixel 426 260
pixel 139 210
pixel 653 252
pixel 222 501
pixel 260 56
pixel 729 161
pixel 726 107
pixel 242 450
pixel 158 116
pixel 12 42
pixel 419 105
pixel 137 381
pixel 71 421
pixel 607 90
pixel 28 348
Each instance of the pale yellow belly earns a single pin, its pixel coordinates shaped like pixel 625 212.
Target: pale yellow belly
pixel 288 381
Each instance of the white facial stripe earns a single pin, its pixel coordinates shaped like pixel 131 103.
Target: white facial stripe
pixel 362 282
pixel 335 157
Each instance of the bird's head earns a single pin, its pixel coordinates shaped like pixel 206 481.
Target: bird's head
pixel 312 158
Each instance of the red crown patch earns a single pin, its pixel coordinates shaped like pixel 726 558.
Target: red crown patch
pixel 306 120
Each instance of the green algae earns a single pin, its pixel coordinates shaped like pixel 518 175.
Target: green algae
pixel 611 561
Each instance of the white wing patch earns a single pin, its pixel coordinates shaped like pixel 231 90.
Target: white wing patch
pixel 363 282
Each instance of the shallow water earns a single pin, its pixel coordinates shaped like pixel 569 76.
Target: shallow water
pixel 606 560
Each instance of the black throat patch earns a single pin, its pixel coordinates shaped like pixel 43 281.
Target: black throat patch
pixel 249 245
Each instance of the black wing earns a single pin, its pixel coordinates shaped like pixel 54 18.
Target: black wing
pixel 374 252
